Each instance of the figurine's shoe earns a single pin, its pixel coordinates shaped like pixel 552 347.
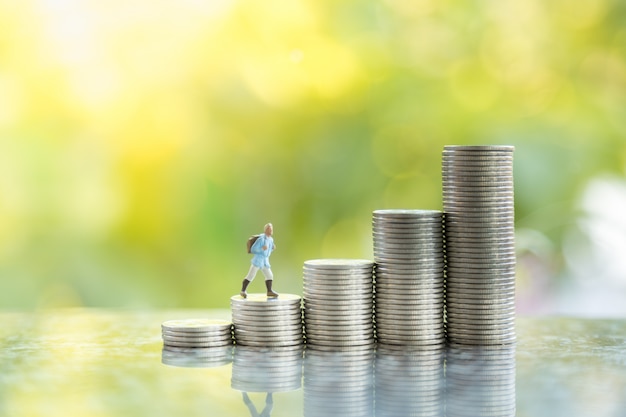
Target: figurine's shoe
pixel 272 294
pixel 243 294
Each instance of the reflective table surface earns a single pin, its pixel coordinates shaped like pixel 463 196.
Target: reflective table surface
pixel 112 363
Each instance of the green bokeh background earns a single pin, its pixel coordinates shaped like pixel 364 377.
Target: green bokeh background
pixel 142 142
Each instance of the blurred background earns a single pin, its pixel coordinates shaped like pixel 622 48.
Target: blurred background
pixel 143 142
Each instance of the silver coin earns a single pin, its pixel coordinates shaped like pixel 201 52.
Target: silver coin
pixel 454 191
pixel 480 149
pixel 257 299
pixel 320 313
pixel 197 344
pixel 196 334
pixel 193 338
pixel 339 263
pixel 196 325
pixel 478 184
pixel 478 180
pixel 338 293
pixel 406 213
pixel 433 244
pixel 427 250
pixel 269 342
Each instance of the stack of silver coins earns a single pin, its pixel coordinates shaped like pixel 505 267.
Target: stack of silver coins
pixel 408 250
pixel 480 244
pixel 338 383
pixel 409 383
pixel 338 304
pixel 277 369
pixel 480 382
pixel 267 322
pixel 181 335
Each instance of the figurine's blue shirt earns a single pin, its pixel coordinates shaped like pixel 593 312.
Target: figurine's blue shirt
pixel 261 258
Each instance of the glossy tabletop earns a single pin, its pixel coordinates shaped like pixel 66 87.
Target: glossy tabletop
pixel 111 363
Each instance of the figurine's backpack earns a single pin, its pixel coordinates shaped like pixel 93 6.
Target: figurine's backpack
pixel 251 240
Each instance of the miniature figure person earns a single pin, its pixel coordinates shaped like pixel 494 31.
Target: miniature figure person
pixel 261 249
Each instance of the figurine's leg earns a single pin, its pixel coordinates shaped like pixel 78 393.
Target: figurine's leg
pixel 269 279
pixel 244 286
pixel 247 280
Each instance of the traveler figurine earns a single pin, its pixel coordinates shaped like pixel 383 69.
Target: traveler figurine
pixel 261 248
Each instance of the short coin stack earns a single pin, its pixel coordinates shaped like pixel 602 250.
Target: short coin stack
pixel 408 250
pixel 338 304
pixel 196 333
pixel 480 244
pixel 267 322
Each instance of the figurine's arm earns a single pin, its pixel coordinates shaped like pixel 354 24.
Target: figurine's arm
pixel 257 248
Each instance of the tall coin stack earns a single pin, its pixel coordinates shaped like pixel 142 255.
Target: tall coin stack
pixel 408 250
pixel 267 322
pixel 480 244
pixel 338 304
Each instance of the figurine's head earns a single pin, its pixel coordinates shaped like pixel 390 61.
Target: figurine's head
pixel 269 229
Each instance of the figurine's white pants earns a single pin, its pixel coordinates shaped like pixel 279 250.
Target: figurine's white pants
pixel 254 269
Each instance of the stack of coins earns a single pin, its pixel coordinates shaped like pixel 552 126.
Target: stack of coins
pixel 480 382
pixel 277 369
pixel 196 333
pixel 338 304
pixel 267 322
pixel 338 383
pixel 409 383
pixel 480 244
pixel 408 250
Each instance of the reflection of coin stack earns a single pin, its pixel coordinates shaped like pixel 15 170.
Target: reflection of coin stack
pixel 408 250
pixel 480 382
pixel 338 304
pixel 197 357
pixel 196 333
pixel 409 383
pixel 480 244
pixel 338 383
pixel 267 322
pixel 276 369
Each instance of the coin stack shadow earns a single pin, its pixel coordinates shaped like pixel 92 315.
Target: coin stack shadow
pixel 480 381
pixel 479 244
pixel 338 304
pixel 267 322
pixel 409 383
pixel 276 369
pixel 339 383
pixel 409 299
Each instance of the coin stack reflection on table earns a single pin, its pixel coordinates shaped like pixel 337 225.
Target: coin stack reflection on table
pixel 267 322
pixel 338 304
pixel 276 369
pixel 480 382
pixel 480 244
pixel 338 383
pixel 408 250
pixel 409 383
